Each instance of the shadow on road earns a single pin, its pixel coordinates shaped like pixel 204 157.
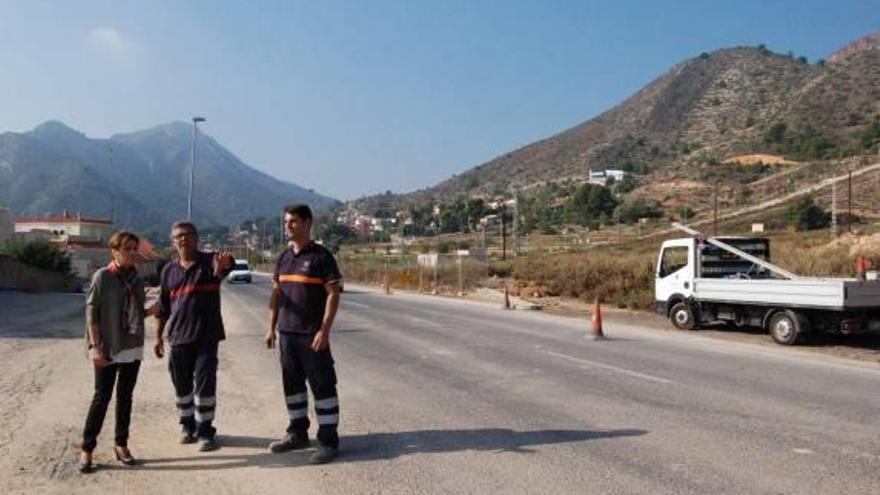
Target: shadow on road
pixel 870 342
pixel 221 459
pixel 390 445
pixel 380 446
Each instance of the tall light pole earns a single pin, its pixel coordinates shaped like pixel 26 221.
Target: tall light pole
pixel 192 166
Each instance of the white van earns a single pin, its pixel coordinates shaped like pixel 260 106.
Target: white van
pixel 241 272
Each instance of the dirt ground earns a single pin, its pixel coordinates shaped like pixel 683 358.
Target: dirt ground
pixel 46 383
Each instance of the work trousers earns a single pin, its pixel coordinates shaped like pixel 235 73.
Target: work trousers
pixel 193 370
pixel 300 364
pixel 105 379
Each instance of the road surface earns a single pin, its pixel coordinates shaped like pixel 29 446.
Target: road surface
pixel 443 396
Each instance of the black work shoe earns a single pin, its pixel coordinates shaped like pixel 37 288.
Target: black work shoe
pixel 289 442
pixel 187 438
pixel 208 444
pixel 324 454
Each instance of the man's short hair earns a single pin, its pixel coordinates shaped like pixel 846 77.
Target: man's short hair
pixel 185 224
pixel 120 237
pixel 301 210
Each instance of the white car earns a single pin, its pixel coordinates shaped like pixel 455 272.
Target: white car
pixel 241 272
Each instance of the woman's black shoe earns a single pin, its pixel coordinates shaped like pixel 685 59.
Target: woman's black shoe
pixel 85 462
pixel 123 455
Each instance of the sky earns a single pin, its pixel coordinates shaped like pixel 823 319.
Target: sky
pixel 358 97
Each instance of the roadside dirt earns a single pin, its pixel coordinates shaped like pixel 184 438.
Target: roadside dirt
pixel 47 384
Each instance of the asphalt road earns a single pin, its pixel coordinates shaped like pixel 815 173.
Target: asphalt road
pixel 445 396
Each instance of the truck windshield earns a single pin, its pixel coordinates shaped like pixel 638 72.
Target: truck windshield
pixel 674 259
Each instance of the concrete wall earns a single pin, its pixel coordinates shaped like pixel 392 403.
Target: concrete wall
pixel 7 224
pixel 84 261
pixel 15 275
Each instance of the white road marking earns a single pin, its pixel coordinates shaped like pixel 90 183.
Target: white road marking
pixel 357 305
pixel 802 451
pixel 625 371
pixel 422 321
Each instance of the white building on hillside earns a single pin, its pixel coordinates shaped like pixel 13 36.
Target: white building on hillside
pixel 600 177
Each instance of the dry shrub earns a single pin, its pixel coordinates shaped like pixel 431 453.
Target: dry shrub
pixel 623 278
pixel 822 255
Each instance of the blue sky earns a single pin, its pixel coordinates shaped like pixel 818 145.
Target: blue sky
pixel 358 97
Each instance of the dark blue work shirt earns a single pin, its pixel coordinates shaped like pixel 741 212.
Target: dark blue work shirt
pixel 190 299
pixel 302 277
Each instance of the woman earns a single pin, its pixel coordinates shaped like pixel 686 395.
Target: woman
pixel 115 335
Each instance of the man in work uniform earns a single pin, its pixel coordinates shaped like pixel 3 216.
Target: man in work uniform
pixel 303 304
pixel 189 302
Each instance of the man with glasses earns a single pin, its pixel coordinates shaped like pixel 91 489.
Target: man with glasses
pixel 189 303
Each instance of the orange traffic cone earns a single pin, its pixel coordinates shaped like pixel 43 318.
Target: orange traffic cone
pixel 507 298
pixel 596 323
pixel 861 267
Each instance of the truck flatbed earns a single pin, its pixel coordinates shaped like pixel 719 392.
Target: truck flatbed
pixel 821 293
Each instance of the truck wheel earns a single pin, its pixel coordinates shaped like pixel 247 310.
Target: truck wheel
pixel 785 327
pixel 682 317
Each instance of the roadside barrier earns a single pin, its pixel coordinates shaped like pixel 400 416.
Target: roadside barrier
pixel 596 324
pixel 507 298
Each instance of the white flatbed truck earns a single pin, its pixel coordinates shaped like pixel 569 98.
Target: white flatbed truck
pixel 702 280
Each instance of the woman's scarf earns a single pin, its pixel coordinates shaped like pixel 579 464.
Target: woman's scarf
pixel 132 314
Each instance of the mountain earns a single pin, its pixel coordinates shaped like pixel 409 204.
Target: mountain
pixel 688 121
pixel 139 178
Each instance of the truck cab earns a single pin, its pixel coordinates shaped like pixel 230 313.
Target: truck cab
pixel 673 281
pixel 682 262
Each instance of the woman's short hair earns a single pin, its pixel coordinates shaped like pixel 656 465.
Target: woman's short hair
pixel 120 237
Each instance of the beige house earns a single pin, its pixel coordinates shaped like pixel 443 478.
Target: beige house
pixel 76 226
pixel 84 239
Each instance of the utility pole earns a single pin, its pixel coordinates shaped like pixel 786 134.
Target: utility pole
pixel 515 223
pixel 436 263
pixel 192 166
pixel 715 214
pixel 110 159
pixel 460 277
pixel 849 201
pixel 834 208
pixel 503 234
pixel 617 219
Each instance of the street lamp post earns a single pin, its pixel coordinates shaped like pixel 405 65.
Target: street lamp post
pixel 192 166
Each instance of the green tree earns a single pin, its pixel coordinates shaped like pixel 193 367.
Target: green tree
pixel 588 202
pixel 805 214
pixel 39 253
pixel 625 185
pixel 776 133
pixel 870 135
pixel 639 208
pixel 685 213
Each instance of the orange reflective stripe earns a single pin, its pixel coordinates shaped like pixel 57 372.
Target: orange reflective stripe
pixel 301 279
pixel 186 289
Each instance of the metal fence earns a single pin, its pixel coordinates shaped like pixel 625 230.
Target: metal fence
pixel 448 274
